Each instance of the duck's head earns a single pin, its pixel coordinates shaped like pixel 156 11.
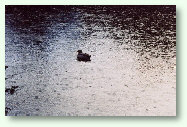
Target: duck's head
pixel 79 51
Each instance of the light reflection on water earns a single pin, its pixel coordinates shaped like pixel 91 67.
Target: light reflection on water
pixel 132 69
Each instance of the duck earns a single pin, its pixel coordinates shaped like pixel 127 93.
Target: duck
pixel 83 56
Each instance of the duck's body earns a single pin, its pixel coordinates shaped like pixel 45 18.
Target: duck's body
pixel 83 56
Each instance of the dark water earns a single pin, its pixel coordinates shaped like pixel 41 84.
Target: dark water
pixel 132 69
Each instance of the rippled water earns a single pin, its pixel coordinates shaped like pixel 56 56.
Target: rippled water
pixel 133 60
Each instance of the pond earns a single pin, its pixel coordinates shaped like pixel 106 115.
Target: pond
pixel 132 71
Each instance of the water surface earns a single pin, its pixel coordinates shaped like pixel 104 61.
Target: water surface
pixel 133 60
